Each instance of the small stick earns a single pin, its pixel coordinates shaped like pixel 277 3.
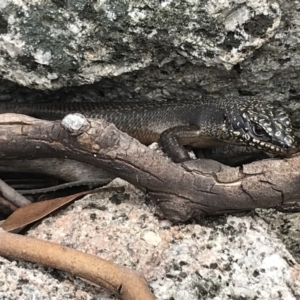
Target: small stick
pixel 8 204
pixel 12 195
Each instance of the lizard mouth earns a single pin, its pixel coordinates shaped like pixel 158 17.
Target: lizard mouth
pixel 278 150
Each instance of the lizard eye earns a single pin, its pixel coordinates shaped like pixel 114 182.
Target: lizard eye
pixel 258 130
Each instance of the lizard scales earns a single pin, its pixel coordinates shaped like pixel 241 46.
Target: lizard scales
pixel 203 123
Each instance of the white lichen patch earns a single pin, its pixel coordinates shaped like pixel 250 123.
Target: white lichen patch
pixel 12 45
pixel 136 15
pixel 237 18
pixel 3 3
pixel 42 57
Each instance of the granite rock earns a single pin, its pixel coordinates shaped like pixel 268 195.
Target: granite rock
pixel 229 257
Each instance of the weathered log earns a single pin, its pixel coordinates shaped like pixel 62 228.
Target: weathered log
pixel 182 191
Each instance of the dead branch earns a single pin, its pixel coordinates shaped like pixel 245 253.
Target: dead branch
pixel 195 188
pixel 6 208
pixel 123 282
pixel 65 169
pixel 12 195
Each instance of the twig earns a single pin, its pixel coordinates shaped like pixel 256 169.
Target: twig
pixel 12 195
pixel 6 206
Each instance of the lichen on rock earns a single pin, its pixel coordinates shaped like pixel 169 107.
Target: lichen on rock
pixel 51 44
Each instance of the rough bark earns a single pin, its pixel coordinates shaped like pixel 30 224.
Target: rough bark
pixel 192 189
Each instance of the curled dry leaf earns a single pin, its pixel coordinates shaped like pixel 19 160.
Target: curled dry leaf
pixel 31 213
pixel 36 211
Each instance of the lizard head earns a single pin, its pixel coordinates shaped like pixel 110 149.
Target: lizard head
pixel 263 126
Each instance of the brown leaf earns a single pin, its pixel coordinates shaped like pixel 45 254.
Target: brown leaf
pixel 36 211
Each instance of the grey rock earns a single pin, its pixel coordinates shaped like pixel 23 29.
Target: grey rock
pixel 51 44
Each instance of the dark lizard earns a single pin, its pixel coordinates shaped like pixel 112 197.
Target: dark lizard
pixel 203 123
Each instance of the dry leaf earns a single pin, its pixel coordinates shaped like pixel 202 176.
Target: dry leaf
pixel 33 212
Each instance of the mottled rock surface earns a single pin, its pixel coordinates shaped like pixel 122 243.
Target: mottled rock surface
pixel 50 44
pixel 230 257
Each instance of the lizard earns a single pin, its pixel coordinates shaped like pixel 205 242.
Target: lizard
pixel 202 123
